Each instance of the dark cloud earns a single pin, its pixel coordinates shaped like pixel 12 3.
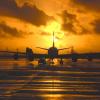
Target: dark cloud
pixel 68 20
pixel 70 24
pixel 68 27
pixel 68 16
pixel 6 31
pixel 90 4
pixel 84 31
pixel 26 13
pixel 96 25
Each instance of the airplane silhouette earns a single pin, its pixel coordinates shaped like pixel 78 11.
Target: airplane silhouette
pixel 53 52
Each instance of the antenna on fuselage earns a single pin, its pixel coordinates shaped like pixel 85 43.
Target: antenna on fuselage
pixel 53 40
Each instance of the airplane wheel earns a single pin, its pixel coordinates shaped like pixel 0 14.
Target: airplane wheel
pixel 74 60
pixel 90 59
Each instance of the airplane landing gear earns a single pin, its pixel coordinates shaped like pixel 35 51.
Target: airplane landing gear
pixel 90 59
pixel 74 59
pixel 16 56
pixel 61 62
pixel 42 61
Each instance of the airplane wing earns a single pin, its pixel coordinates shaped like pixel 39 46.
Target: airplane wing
pixel 11 52
pixel 69 56
pixel 81 56
pixel 29 54
pixel 40 55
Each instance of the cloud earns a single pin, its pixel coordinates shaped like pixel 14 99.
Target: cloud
pixel 45 34
pixel 68 27
pixel 71 24
pixel 6 31
pixel 96 25
pixel 93 5
pixel 26 12
pixel 67 21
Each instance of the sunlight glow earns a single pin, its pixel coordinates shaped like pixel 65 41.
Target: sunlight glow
pixel 56 28
pixel 53 27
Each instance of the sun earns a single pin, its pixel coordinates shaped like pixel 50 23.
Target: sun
pixel 52 27
pixel 56 28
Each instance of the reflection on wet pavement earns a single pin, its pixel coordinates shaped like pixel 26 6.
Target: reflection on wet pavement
pixel 24 81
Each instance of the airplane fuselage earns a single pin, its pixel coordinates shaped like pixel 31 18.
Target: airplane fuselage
pixel 53 52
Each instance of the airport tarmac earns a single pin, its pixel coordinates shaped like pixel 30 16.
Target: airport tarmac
pixel 23 80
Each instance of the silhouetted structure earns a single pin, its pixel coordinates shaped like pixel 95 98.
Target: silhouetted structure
pixel 53 52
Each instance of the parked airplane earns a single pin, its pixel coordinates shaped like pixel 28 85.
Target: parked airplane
pixel 53 52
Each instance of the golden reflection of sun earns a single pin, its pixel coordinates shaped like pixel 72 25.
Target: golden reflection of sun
pixel 53 97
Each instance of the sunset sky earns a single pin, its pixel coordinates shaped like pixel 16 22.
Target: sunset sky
pixel 31 23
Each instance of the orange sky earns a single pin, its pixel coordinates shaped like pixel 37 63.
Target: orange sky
pixel 30 23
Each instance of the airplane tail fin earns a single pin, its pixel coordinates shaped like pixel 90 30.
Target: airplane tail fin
pixel 29 54
pixel 72 50
pixel 53 40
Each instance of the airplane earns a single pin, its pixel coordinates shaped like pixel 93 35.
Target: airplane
pixel 53 52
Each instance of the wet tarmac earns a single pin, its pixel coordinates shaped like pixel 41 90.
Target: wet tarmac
pixel 22 80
